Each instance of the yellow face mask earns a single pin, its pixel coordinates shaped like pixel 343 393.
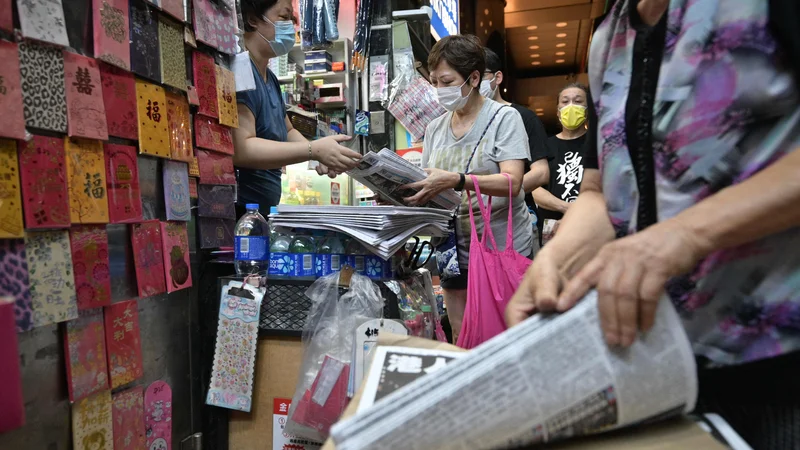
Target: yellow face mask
pixel 572 116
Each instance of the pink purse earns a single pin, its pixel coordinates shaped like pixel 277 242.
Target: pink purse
pixel 493 277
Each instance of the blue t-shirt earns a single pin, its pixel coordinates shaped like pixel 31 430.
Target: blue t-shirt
pixel 266 104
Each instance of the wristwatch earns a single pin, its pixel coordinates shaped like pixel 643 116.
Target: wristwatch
pixel 462 179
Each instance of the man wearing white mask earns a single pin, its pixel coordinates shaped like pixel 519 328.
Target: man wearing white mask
pixel 566 160
pixel 538 169
pixel 476 136
pixel 265 140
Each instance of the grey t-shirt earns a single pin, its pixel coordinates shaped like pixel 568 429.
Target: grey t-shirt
pixel 505 140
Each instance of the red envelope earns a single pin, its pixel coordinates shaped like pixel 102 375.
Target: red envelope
pixel 158 416
pixel 122 178
pixel 215 168
pixel 205 80
pixel 205 22
pixel 111 32
pixel 11 403
pixel 10 92
pixel 43 171
pixel 123 343
pixel 146 240
pixel 90 264
pixel 176 255
pixel 6 17
pixel 85 354
pixel 180 128
pixel 211 135
pixel 128 416
pixel 119 97
pixel 86 114
pixel 318 409
pixel 174 8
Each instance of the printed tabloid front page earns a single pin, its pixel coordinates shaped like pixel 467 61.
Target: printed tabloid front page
pixel 547 379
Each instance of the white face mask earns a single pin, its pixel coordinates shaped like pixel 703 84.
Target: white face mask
pixel 486 88
pixel 450 97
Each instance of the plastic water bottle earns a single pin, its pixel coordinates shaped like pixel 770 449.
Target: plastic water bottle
pixel 302 250
pixel 355 255
pixel 280 261
pixel 330 252
pixel 251 242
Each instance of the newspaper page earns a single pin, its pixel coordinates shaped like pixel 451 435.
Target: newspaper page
pixel 395 367
pixel 385 173
pixel 547 379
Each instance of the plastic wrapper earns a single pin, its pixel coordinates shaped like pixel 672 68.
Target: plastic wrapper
pixel 412 101
pixel 417 305
pixel 318 21
pixel 328 339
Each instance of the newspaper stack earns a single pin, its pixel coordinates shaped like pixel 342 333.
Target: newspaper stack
pixel 383 230
pixel 548 379
pixel 386 173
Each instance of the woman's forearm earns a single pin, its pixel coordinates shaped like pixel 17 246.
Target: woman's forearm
pixel 765 204
pixel 257 153
pixel 544 199
pixel 537 176
pixel 495 185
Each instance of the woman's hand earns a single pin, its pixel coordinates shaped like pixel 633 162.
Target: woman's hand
pixel 334 156
pixel 630 274
pixel 437 182
pixel 539 288
pixel 322 169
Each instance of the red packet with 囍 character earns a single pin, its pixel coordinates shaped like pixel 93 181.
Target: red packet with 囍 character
pixel 119 98
pixel 226 98
pixel 86 176
pixel 215 168
pixel 128 413
pixel 10 92
pixel 123 343
pixel 43 172
pixel 180 128
pixel 86 114
pixel 91 422
pixel 205 79
pixel 176 255
pixel 158 416
pixel 90 265
pixel 10 201
pixel 111 27
pixel 85 354
pixel 151 104
pixel 11 402
pixel 122 173
pixel 212 136
pixel 146 240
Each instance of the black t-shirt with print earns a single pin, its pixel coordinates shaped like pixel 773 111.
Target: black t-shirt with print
pixel 537 141
pixel 566 171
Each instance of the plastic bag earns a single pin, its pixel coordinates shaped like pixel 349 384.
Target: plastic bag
pixel 417 305
pixel 328 339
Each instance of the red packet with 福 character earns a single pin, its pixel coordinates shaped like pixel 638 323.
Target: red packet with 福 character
pixel 123 343
pixel 176 255
pixel 122 174
pixel 11 109
pixel 90 263
pixel 12 408
pixel 205 80
pixel 212 136
pixel 128 413
pixel 226 98
pixel 86 180
pixel 180 127
pixel 43 173
pixel 215 168
pixel 86 114
pixel 119 98
pixel 85 354
pixel 146 240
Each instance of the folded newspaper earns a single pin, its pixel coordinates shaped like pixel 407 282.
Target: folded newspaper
pixel 548 379
pixel 386 173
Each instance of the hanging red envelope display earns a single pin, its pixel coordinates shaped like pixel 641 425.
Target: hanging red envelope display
pixel 146 240
pixel 128 413
pixel 90 265
pixel 211 135
pixel 205 80
pixel 215 168
pixel 123 343
pixel 11 105
pixel 86 114
pixel 122 173
pixel 119 98
pixel 176 255
pixel 110 20
pixel 43 172
pixel 85 354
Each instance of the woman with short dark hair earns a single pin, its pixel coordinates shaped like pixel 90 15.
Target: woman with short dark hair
pixel 476 136
pixel 265 140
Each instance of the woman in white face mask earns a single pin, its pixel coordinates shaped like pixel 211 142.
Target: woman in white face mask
pixel 476 136
pixel 265 140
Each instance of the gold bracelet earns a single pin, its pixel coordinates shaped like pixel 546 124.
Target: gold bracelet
pixel 310 154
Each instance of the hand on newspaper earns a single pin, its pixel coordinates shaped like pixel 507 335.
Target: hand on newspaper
pixel 630 274
pixel 322 169
pixel 539 289
pixel 334 156
pixel 437 182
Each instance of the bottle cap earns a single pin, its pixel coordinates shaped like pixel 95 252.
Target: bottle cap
pixel 252 206
pixel 273 210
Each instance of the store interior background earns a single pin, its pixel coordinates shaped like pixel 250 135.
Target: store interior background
pixel 545 46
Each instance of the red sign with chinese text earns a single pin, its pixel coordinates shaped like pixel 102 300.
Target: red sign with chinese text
pixel 123 343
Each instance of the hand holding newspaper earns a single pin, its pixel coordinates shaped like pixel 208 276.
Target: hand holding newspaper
pixel 386 172
pixel 549 378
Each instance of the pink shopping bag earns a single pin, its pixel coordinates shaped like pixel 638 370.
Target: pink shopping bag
pixel 493 277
